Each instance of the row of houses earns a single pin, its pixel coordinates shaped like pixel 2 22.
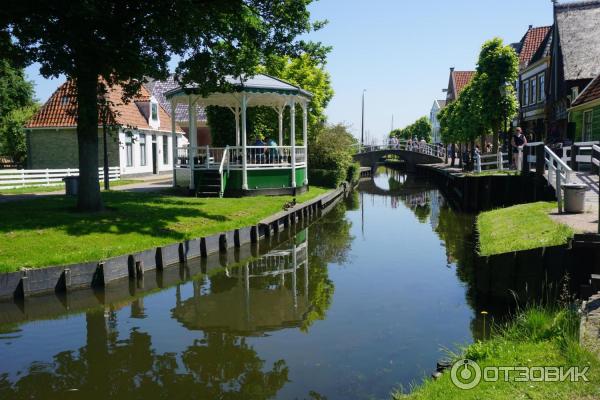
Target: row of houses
pixel 139 143
pixel 559 77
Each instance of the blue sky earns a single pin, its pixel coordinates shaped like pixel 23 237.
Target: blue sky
pixel 400 51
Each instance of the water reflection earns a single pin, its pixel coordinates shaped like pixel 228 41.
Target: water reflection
pixel 320 315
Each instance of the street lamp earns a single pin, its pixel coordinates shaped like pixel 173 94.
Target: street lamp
pixel 362 125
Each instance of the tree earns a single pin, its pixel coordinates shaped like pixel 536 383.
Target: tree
pixel 307 70
pixel 122 41
pixel 421 129
pixel 16 107
pixel 497 69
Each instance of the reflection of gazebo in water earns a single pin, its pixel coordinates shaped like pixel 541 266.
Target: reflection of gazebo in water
pixel 263 296
pixel 243 168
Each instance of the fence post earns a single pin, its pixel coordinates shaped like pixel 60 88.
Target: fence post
pixel 207 157
pixel 525 158
pixel 22 177
pixel 47 177
pixel 500 160
pixel 540 161
pixel 520 159
pixel 558 188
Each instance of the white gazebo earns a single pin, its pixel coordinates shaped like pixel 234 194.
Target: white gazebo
pixel 240 168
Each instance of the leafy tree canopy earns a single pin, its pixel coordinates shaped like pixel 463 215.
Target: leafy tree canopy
pixel 16 107
pixel 123 41
pixel 421 129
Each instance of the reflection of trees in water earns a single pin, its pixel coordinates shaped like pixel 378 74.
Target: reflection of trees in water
pixel 220 364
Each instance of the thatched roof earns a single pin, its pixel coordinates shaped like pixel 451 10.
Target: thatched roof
pixel 579 32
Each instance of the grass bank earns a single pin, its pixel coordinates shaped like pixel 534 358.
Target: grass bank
pixel 537 337
pixel 45 231
pixel 61 187
pixel 520 227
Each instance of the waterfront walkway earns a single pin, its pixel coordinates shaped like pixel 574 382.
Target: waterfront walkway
pixel 151 183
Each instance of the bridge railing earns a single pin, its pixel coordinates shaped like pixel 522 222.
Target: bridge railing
pixel 417 147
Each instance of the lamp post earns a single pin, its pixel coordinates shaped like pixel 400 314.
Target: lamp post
pixel 362 125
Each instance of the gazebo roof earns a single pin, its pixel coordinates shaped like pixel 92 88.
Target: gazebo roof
pixel 265 90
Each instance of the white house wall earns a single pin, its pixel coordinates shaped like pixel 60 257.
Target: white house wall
pixel 137 168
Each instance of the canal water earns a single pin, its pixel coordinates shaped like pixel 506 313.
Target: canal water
pixel 363 301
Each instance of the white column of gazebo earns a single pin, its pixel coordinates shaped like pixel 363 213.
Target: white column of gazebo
pixel 260 90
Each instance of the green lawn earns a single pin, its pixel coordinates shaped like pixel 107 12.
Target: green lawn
pixel 537 337
pixel 61 187
pixel 520 227
pixel 494 172
pixel 45 231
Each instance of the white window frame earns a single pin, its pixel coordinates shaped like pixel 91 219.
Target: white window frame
pixel 526 93
pixel 586 135
pixel 129 161
pixel 143 150
pixel 533 90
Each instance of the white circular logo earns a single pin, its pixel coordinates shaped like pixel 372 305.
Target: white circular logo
pixel 465 374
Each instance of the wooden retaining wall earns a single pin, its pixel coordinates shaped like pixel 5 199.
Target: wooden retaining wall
pixel 104 273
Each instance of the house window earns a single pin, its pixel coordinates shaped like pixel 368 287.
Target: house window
pixel 165 146
pixel 574 93
pixel 526 93
pixel 541 87
pixel 154 114
pixel 533 85
pixel 129 150
pixel 587 125
pixel 143 161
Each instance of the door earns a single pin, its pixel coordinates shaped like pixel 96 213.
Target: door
pixel 154 156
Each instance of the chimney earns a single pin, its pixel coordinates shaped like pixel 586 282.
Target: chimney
pixel 530 26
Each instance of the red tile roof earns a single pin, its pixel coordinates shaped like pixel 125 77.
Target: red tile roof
pixel 590 93
pixel 61 109
pixel 531 42
pixel 461 79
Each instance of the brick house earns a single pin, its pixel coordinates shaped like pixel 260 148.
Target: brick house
pixel 457 82
pixel 139 140
pixel 534 62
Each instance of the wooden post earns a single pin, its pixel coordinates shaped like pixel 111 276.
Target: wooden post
pixel 193 140
pixel 305 139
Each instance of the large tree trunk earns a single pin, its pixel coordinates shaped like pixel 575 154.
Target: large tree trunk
pixel 495 139
pixel 89 198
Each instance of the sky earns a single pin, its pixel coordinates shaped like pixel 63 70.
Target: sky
pixel 399 51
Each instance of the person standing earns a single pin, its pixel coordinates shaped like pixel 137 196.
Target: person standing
pixel 517 142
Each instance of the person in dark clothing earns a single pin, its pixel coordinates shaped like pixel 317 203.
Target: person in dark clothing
pixel 518 141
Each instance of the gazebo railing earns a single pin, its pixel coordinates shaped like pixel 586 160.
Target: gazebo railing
pixel 257 157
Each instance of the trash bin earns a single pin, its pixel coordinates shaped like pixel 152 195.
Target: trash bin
pixel 71 185
pixel 574 197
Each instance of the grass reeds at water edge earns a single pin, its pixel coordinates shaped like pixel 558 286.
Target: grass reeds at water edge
pixel 538 335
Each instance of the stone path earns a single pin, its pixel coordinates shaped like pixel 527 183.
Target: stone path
pixel 589 335
pixel 586 222
pixel 148 184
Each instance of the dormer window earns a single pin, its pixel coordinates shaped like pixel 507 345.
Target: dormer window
pixel 154 111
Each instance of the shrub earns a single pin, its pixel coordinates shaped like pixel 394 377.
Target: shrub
pixel 331 152
pixel 353 174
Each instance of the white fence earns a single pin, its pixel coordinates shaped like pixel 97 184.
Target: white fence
pixel 495 161
pixel 257 157
pixel 17 178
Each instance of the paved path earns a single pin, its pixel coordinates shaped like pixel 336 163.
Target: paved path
pixel 586 222
pixel 146 184
pixel 589 334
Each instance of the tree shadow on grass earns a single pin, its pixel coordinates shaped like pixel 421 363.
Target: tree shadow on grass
pixel 146 214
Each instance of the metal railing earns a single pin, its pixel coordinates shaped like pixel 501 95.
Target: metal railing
pixel 558 173
pixel 417 147
pixel 257 157
pixel 11 179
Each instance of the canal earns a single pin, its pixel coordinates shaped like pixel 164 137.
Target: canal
pixel 361 302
